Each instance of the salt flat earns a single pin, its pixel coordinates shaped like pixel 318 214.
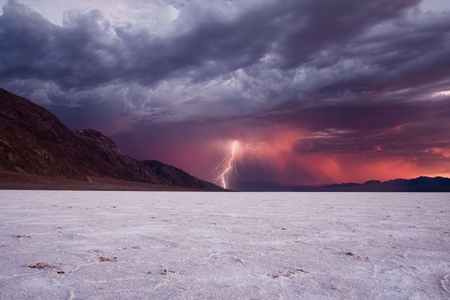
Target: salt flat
pixel 182 245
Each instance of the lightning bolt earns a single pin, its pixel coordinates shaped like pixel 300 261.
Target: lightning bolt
pixel 228 164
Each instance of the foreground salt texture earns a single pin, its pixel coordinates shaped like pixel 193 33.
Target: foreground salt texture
pixel 173 245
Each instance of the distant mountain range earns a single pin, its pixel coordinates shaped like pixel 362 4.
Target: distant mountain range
pixel 34 141
pixel 420 184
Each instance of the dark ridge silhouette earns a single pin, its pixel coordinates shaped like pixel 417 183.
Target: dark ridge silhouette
pixel 420 184
pixel 33 141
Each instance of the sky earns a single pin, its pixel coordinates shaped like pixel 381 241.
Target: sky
pixel 297 92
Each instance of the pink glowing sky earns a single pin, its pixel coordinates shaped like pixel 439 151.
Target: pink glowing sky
pixel 327 91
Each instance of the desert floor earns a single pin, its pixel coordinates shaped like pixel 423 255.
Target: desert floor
pixel 199 245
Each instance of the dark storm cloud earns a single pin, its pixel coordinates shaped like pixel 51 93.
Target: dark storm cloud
pixel 322 25
pixel 399 128
pixel 404 54
pixel 87 51
pixel 71 56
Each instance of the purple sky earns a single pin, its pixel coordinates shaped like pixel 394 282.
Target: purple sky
pixel 307 92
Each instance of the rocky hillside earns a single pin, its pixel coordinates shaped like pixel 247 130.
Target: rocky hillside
pixel 151 171
pixel 34 141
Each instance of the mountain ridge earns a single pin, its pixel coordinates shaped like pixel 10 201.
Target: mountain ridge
pixel 419 184
pixel 34 141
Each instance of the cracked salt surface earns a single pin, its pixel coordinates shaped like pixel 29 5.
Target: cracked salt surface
pixel 175 245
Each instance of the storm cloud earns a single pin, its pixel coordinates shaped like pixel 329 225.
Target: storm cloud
pixel 330 90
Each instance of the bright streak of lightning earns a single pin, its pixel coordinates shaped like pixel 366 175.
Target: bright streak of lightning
pixel 228 164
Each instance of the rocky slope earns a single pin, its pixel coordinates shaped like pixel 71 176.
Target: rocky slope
pixel 34 141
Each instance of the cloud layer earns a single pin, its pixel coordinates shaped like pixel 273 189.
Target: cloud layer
pixel 331 91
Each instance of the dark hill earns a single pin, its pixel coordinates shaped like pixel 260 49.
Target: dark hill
pixel 420 184
pixel 34 141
